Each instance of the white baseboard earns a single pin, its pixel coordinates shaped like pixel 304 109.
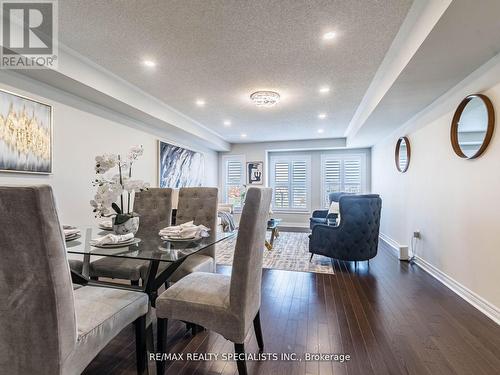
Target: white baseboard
pixel 487 308
pixel 399 251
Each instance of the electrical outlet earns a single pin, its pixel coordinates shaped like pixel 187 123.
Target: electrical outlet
pixel 416 234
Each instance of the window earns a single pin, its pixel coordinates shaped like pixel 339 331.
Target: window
pixel 342 172
pixel 291 182
pixel 233 179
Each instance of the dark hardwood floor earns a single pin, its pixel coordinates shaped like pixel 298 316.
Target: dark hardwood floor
pixel 391 318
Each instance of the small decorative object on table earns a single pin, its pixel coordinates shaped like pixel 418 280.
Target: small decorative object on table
pixel 111 189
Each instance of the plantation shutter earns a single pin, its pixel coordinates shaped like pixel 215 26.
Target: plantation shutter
pixel 341 172
pixel 234 172
pixel 234 180
pixel 352 175
pixel 332 177
pixel 299 184
pixel 281 185
pixel 290 182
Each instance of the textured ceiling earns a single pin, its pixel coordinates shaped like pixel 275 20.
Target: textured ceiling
pixel 224 50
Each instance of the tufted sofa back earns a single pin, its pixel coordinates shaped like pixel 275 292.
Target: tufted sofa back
pixel 359 226
pixel 335 197
pixel 154 207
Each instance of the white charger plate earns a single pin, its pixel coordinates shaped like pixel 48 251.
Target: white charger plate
pixel 179 239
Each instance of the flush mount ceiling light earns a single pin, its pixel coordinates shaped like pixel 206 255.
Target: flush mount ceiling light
pixel 200 102
pixel 227 123
pixel 322 116
pixel 243 135
pixel 320 131
pixel 265 99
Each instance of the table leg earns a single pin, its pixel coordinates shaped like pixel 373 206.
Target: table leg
pixel 149 284
pixel 273 235
pixel 154 280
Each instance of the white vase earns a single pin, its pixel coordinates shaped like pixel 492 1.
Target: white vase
pixel 130 226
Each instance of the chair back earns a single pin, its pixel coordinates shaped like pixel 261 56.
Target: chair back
pixel 154 207
pixel 198 204
pixel 246 274
pixel 359 226
pixel 37 312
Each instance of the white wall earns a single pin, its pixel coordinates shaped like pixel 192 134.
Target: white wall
pixel 452 201
pixel 314 148
pixel 81 131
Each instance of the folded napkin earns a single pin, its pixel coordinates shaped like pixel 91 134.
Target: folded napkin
pixel 106 223
pixel 70 232
pixel 112 239
pixel 186 230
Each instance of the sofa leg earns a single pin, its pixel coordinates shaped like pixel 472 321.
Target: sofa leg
pixel 161 345
pixel 311 258
pixel 140 344
pixel 134 282
pixel 240 362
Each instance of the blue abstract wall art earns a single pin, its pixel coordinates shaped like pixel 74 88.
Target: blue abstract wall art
pixel 179 167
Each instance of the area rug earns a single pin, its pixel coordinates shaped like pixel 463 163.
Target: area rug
pixel 290 252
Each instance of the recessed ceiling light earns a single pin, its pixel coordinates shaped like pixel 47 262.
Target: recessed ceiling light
pixel 322 116
pixel 243 135
pixel 320 131
pixel 200 102
pixel 324 90
pixel 329 35
pixel 149 63
pixel 227 123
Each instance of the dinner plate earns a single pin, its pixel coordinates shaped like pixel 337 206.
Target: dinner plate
pixel 179 239
pixel 130 242
pixel 73 237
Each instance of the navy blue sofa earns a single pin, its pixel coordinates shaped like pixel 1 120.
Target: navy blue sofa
pixel 356 237
pixel 321 216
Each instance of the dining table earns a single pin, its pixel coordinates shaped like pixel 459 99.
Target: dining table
pixel 161 257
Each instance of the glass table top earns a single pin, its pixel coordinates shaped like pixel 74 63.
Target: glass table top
pixel 151 247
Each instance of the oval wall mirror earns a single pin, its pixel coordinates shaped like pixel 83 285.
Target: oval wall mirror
pixel 472 126
pixel 403 154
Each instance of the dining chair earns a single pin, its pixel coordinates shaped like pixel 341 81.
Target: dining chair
pixel 197 204
pixel 225 304
pixel 154 207
pixel 47 326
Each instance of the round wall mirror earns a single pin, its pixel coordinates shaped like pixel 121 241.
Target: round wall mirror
pixel 403 153
pixel 472 126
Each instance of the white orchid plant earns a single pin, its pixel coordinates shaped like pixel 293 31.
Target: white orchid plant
pixel 115 188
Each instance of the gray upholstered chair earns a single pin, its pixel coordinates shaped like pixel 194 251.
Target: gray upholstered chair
pixel 322 216
pixel 154 207
pixel 225 304
pixel 356 237
pixel 47 327
pixel 198 204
